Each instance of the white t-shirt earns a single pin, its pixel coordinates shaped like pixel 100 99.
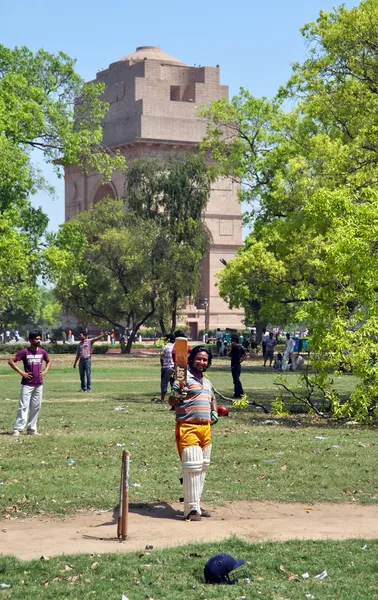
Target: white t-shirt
pixel 166 355
pixel 290 345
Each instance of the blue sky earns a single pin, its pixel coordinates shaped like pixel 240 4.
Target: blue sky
pixel 254 42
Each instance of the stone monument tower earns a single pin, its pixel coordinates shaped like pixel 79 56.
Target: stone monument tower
pixel 153 99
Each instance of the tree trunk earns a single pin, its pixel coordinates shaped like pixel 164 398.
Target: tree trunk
pixel 174 311
pixel 162 327
pixel 123 340
pixel 259 330
pixel 138 324
pixel 130 340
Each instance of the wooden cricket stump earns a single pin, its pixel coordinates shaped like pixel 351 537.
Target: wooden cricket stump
pixel 124 497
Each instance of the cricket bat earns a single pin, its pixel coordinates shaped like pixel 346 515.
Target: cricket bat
pixel 181 360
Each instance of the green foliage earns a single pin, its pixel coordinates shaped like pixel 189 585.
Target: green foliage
pixel 311 176
pixel 111 266
pixel 173 194
pixel 44 105
pixel 7 349
pixel 278 407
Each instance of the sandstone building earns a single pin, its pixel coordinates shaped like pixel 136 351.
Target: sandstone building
pixel 153 99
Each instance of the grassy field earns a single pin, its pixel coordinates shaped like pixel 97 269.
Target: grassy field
pixel 288 462
pixel 177 574
pixel 300 459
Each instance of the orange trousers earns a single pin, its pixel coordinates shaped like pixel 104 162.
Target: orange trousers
pixel 191 434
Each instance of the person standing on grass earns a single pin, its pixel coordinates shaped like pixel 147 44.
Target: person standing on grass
pixel 167 366
pixel 83 355
pixel 288 356
pixel 269 349
pixel 196 410
pixel 219 340
pixel 237 354
pixel 264 339
pixel 31 383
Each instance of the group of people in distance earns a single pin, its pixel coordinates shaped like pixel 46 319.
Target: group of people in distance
pixel 236 352
pixel 283 361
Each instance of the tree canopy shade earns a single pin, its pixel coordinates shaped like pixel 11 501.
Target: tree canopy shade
pixel 311 176
pixel 46 106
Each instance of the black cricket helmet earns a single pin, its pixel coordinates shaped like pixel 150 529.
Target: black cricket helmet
pixel 219 567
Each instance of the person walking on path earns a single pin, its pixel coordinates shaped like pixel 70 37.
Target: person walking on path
pixel 269 349
pixel 83 355
pixel 167 366
pixel 31 383
pixel 237 354
pixel 196 410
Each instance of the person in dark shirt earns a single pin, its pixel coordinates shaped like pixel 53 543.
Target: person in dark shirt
pixel 237 354
pixel 31 383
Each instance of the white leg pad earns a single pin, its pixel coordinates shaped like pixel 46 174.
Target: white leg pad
pixel 205 465
pixel 192 462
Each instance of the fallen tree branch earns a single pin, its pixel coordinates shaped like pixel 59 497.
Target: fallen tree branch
pixel 251 402
pixel 306 401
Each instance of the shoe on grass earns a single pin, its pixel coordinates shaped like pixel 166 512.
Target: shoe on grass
pixel 16 433
pixel 32 432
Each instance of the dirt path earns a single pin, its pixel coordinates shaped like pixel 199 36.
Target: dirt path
pixel 162 525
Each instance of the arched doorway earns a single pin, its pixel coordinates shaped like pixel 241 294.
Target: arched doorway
pixel 104 191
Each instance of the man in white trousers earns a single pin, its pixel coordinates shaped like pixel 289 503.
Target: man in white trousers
pixel 196 409
pixel 31 383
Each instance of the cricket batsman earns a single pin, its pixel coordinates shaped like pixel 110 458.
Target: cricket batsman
pixel 196 410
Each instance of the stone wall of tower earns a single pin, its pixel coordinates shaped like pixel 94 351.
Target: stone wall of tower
pixel 153 111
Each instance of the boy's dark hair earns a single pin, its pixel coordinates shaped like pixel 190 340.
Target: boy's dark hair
pixel 194 351
pixel 180 333
pixel 170 338
pixel 83 332
pixel 234 338
pixel 33 334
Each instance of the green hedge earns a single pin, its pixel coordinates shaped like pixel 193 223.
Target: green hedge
pixel 12 349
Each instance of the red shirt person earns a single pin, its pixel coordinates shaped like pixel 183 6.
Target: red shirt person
pixel 31 383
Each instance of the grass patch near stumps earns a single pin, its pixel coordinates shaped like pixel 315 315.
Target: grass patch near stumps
pixel 177 573
pixel 307 462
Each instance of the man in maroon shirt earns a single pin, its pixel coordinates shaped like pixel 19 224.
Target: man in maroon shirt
pixel 31 383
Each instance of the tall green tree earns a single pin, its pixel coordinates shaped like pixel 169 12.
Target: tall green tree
pixel 110 267
pixel 44 106
pixel 311 177
pixel 173 195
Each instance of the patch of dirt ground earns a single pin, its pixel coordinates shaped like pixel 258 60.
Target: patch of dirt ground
pixel 162 525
